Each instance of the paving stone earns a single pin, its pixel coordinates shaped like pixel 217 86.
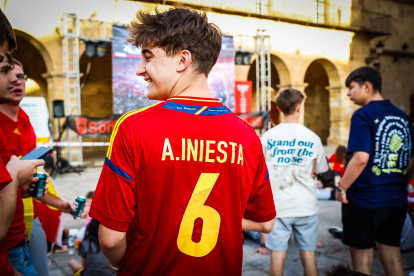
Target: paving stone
pixel 56 272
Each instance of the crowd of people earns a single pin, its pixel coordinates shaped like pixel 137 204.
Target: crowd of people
pixel 184 178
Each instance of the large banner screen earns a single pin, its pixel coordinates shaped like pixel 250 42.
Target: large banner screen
pixel 129 90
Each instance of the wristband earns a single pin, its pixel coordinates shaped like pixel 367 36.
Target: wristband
pixel 342 188
pixel 263 245
pixel 339 190
pixel 114 268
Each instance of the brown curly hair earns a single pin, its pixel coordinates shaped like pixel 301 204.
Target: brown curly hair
pixel 177 29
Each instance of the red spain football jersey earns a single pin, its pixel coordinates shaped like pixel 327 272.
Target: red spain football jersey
pixel 20 134
pixel 5 179
pixel 178 178
pixel 21 139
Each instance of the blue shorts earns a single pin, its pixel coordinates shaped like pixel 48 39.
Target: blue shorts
pixel 304 228
pixel 21 260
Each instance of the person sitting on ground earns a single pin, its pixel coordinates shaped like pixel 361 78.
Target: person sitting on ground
pixel 94 262
pixel 338 160
pixel 326 185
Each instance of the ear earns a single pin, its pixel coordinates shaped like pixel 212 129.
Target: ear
pixel 298 108
pixel 368 87
pixel 185 59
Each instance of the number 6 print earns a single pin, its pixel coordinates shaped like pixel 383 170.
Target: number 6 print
pixel 196 209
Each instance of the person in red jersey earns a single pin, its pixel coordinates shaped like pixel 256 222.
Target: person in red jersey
pixel 16 173
pixel 21 139
pixel 184 177
pixel 338 160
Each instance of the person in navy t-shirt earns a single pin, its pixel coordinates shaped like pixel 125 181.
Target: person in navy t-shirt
pixel 373 189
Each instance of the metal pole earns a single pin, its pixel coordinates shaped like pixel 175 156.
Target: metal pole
pixel 269 75
pixel 263 72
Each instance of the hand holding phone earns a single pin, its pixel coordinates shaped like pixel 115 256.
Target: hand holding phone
pixel 23 171
pixel 37 153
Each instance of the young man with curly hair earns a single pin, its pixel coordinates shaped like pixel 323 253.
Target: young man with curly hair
pixel 184 177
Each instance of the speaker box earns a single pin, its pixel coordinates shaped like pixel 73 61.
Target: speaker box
pixel 58 109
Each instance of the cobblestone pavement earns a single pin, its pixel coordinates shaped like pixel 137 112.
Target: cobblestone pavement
pixel 334 252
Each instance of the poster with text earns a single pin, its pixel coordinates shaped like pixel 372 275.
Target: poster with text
pixel 129 90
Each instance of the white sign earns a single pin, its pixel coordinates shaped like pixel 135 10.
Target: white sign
pixel 36 109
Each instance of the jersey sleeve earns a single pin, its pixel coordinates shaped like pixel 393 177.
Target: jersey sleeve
pixel 5 155
pixel 114 201
pixel 5 177
pixel 261 206
pixel 360 134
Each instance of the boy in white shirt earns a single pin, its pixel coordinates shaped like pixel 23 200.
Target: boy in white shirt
pixel 293 153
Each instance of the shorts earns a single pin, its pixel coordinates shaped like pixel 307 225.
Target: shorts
pixel 21 260
pixel 304 228
pixel 362 227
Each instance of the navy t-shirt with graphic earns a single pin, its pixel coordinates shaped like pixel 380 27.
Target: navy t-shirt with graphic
pixel 385 132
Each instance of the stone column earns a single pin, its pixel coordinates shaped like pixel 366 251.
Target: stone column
pixel 55 89
pixel 339 116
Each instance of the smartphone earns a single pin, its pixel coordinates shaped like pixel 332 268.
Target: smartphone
pixel 37 153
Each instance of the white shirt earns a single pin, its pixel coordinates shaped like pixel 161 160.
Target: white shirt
pixel 292 153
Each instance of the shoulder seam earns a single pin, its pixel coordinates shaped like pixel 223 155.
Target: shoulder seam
pixel 122 119
pixel 237 116
pixel 148 111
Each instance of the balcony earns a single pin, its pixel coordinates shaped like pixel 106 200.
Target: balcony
pixel 372 21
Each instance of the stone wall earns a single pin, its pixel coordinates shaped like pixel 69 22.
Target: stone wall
pixel 398 75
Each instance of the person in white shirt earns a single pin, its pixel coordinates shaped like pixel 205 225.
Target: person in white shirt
pixel 294 155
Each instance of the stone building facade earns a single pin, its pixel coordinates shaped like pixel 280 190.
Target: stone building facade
pixel 315 44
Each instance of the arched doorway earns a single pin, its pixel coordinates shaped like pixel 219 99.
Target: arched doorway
pixel 280 77
pixel 34 63
pixel 320 76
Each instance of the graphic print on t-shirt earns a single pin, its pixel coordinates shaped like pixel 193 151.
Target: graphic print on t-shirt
pixel 293 152
pixel 392 146
pixel 289 152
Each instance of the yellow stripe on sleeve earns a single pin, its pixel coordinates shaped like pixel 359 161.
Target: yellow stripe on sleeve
pixel 120 121
pixel 115 130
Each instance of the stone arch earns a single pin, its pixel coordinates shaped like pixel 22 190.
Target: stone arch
pixel 280 77
pixel 35 59
pixel 39 46
pixel 321 78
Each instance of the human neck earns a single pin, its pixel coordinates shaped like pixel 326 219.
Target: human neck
pixel 194 86
pixel 11 110
pixel 374 97
pixel 291 119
